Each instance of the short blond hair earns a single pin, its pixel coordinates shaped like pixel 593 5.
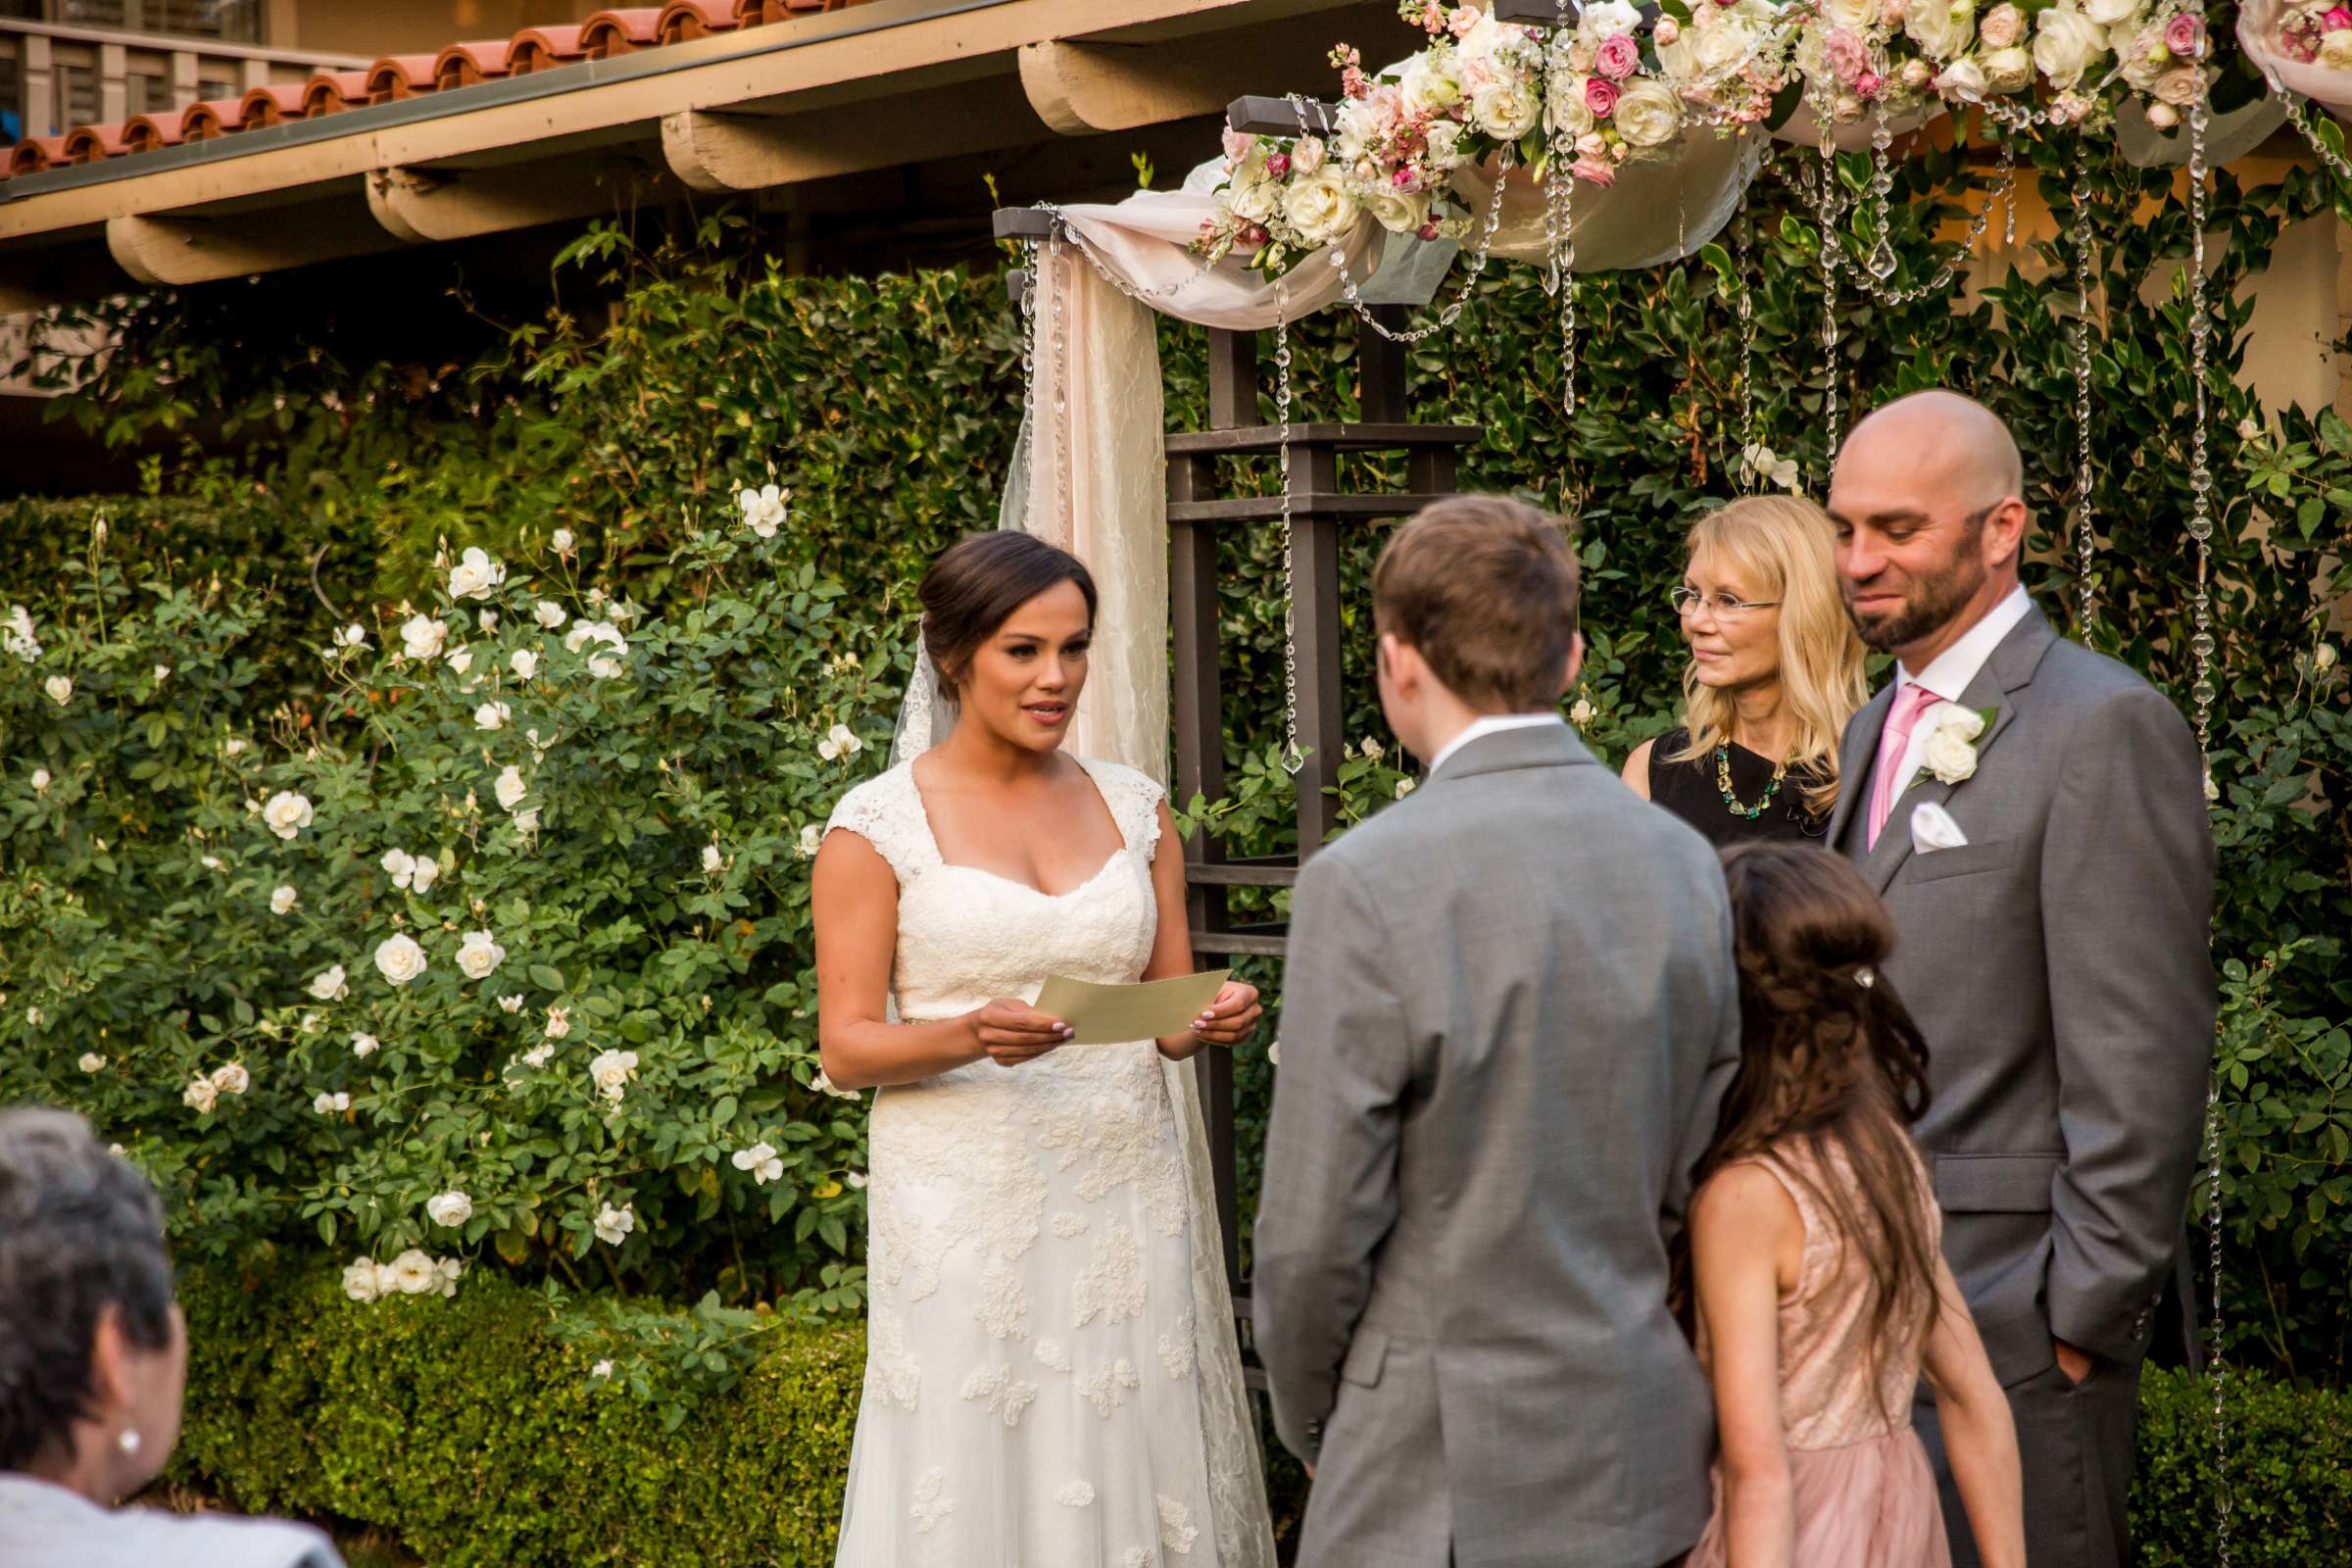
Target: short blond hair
pixel 1484 587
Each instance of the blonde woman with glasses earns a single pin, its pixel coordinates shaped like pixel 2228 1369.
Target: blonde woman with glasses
pixel 1775 672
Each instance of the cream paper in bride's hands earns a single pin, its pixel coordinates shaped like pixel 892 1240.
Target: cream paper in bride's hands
pixel 1112 1015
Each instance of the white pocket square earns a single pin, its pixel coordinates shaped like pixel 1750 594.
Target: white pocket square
pixel 1933 828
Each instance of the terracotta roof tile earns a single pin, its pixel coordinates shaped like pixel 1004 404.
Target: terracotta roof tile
pixel 603 34
pixel 683 19
pixel 86 144
pixel 616 32
pixel 36 153
pixel 273 105
pixel 399 76
pixel 331 92
pixel 542 48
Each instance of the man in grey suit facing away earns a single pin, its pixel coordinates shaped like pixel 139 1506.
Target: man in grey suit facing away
pixel 1508 1018
pixel 2033 813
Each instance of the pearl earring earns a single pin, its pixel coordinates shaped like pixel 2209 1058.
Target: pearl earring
pixel 129 1440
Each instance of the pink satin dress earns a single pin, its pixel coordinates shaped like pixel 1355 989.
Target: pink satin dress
pixel 1865 1494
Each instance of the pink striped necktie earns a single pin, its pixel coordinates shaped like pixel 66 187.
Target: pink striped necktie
pixel 1913 701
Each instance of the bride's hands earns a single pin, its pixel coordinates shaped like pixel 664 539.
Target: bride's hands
pixel 1012 1032
pixel 1229 1019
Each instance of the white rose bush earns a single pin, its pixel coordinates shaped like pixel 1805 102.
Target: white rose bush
pixel 371 974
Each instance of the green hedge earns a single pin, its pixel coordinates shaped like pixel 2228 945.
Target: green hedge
pixel 468 1430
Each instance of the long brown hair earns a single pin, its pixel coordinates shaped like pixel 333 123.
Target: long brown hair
pixel 1832 1064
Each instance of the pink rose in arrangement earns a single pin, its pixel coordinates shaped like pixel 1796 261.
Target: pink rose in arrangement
pixel 1595 171
pixel 1917 75
pixel 2001 26
pixel 1255 235
pixel 1592 144
pixel 1847 58
pixel 1279 166
pixel 1600 96
pixel 1666 31
pixel 1869 84
pixel 2185 35
pixel 1619 58
pixel 1406 180
pixel 1463 20
pixel 1428 230
pixel 2337 20
pixel 1237 146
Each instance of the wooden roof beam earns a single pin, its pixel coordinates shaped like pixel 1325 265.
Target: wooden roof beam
pixel 717 151
pixel 423 204
pixel 205 250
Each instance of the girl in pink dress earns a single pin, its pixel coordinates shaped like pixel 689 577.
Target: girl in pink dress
pixel 1818 1279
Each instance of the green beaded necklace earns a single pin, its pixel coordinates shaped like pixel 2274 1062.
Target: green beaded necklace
pixel 1731 798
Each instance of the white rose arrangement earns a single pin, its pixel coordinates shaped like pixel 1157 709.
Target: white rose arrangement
pixel 1950 752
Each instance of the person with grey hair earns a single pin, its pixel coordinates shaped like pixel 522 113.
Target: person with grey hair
pixel 94 1358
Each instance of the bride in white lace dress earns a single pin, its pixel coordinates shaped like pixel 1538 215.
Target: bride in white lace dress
pixel 1047 1380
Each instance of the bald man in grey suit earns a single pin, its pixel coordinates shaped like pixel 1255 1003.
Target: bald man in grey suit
pixel 2033 813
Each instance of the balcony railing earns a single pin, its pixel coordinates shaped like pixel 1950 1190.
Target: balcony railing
pixel 55 75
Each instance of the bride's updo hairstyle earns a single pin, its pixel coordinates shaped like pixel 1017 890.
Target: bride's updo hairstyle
pixel 976 584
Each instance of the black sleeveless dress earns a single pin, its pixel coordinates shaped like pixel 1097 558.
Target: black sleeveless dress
pixel 1691 791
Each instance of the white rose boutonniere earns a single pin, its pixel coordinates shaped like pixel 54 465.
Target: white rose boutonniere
pixel 1952 734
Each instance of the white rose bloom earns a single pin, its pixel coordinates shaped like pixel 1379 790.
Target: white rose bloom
pixel 1321 206
pixel 1858 14
pixel 1432 82
pixel 211 862
pixel 478 956
pixel 1949 756
pixel 551 616
pixel 450 1209
pixel 2336 48
pixel 359 1280
pixel 561 541
pixel 527 821
pixel 585 632
pixel 602 1369
pixel 2064 43
pixel 1648 113
pixel 839 741
pixel 539 1055
pixel 711 859
pixel 604 669
pixel 399 958
pixel 1506 110
pixel 763 510
pixel 60 690
pixel 475 575
pixel 460 658
pixel 1255 199
pixel 612 1224
pixel 40 781
pixel 1607 20
pixel 1966 722
pixel 512 1004
pixel 351 638
pixel 1444 145
pixel 1404 787
pixel 428 869
pixel 2114 13
pixel 283 899
pixel 16 636
pixel 524 664
pixel 328 1104
pixel 855 1180
pixel 92 1062
pixel 1964 80
pixel 1942 29
pixel 1398 213
pixel 559 1022
pixel 232 1078
pixel 762 1161
pixel 364 1045
pixel 422 636
pixel 1308 154
pixel 1582 713
pixel 611 1071
pixel 233 745
pixel 812 839
pixel 330 985
pixel 200 1093
pixel 2008 70
pixel 450 1270
pixel 2323 656
pixel 287 814
pixel 511 789
pixel 414 1274
pixel 1722 47
pixel 492 715
pixel 487 619
pixel 401 865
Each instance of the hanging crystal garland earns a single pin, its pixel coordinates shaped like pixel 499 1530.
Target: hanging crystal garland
pixel 2201 647
pixel 2079 353
pixel 1293 757
pixel 1873 281
pixel 1028 459
pixel 1065 500
pixel 2298 115
pixel 1741 224
pixel 1559 215
pixel 1830 207
pixel 1352 291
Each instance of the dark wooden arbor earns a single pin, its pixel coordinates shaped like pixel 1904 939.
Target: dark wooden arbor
pixel 1321 515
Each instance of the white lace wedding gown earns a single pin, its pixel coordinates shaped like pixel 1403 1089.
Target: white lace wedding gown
pixel 1045 1385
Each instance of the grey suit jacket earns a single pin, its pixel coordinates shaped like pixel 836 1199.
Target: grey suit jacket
pixel 1508 1018
pixel 2058 964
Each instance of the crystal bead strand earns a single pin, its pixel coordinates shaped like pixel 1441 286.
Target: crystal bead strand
pixel 1881 263
pixel 2004 193
pixel 1741 225
pixel 1065 497
pixel 1029 327
pixel 1831 244
pixel 2079 350
pixel 2298 114
pixel 1293 757
pixel 2201 644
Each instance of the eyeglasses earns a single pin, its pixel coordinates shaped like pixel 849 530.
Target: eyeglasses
pixel 1725 607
